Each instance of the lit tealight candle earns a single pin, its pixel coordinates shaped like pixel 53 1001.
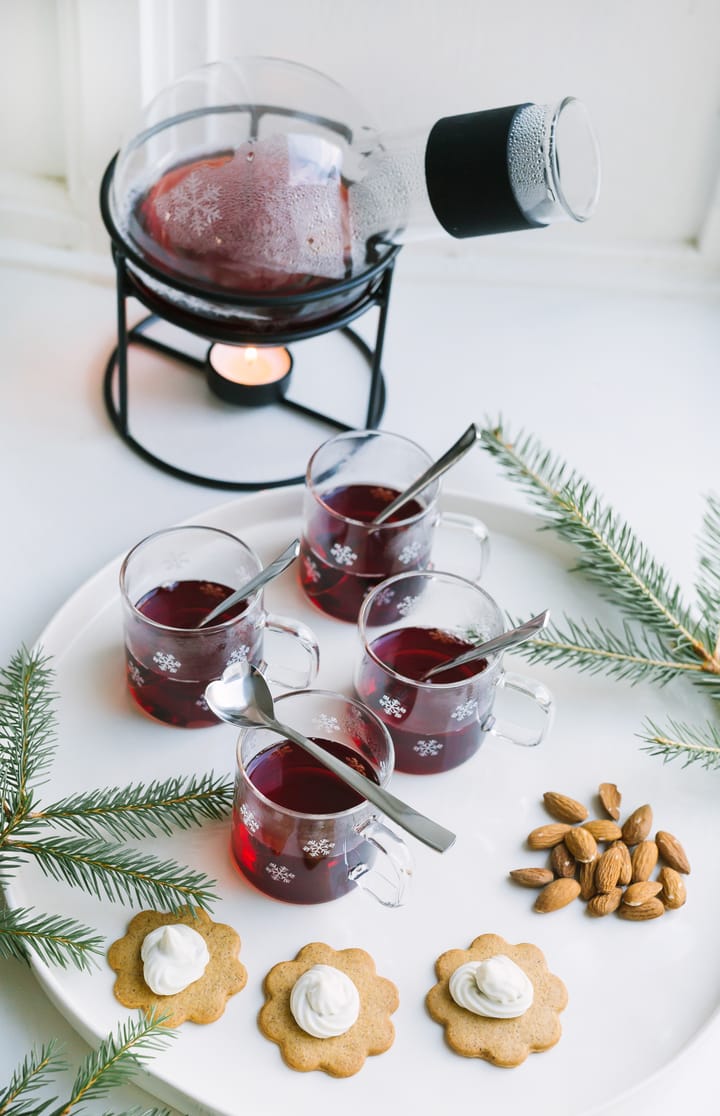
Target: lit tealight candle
pixel 249 375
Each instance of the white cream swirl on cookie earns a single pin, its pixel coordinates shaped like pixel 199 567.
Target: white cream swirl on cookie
pixel 173 957
pixel 324 1002
pixel 496 988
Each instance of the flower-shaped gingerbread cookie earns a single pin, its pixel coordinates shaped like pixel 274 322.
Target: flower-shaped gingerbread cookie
pixel 203 1000
pixel 340 1055
pixel 502 1041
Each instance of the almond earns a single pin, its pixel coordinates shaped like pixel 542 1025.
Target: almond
pixel 644 859
pixel 672 852
pixel 532 877
pixel 563 808
pixel 587 879
pixel 673 893
pixel 557 894
pixel 581 844
pixel 603 829
pixel 610 798
pixel 547 836
pixel 639 893
pixel 562 861
pixel 651 908
pixel 637 826
pixel 605 903
pixel 607 870
pixel 626 866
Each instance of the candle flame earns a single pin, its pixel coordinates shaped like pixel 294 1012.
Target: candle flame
pixel 250 355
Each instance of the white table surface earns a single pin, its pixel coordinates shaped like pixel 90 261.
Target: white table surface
pixel 621 381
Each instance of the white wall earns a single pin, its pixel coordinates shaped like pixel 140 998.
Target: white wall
pixel 75 72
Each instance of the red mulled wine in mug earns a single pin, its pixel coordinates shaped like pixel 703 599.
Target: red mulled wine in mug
pixel 291 778
pixel 349 480
pixel 155 687
pixel 341 560
pixel 429 734
pixel 299 833
pixel 169 582
pixel 420 620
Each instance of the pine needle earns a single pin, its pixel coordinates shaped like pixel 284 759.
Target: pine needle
pixel 53 939
pixel 609 552
pixel 27 727
pixel 117 1059
pixel 143 811
pixel 33 1073
pixel 688 743
pixel 117 873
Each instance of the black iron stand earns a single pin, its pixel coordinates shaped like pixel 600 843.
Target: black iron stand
pixel 116 380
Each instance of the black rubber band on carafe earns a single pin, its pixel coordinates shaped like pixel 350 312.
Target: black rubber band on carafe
pixel 467 174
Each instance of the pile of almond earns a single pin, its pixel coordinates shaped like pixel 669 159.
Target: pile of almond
pixel 607 864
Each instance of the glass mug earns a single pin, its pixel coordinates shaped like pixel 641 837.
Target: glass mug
pixel 416 621
pixel 168 582
pixel 349 480
pixel 300 834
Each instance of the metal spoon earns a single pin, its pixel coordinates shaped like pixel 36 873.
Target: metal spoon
pixel 511 638
pixel 270 572
pixel 464 443
pixel 242 697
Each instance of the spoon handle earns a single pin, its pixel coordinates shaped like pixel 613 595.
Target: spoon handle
pixel 267 574
pixel 521 634
pixel 426 830
pixel 465 442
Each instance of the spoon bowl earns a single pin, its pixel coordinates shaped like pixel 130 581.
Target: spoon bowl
pixel 242 698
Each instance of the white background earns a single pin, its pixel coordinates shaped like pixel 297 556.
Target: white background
pixel 603 340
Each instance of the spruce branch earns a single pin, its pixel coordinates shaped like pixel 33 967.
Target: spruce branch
pixel 610 555
pixel 27 728
pixel 32 1074
pixel 117 1059
pixel 53 939
pixel 143 811
pixel 708 580
pixel 691 743
pixel 119 873
pixel 591 647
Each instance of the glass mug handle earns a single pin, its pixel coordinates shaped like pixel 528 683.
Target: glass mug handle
pixel 387 881
pixel 479 537
pixel 517 734
pixel 293 679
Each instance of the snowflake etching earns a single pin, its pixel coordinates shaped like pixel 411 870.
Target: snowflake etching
pixel 251 823
pixel 318 847
pixel 136 675
pixel 279 873
pixel 343 555
pixel 193 204
pixel 167 662
pixel 239 655
pixel 426 748
pixel 410 553
pixel 392 706
pixel 465 710
pixel 326 721
pixel 175 561
pixel 202 704
pixel 406 605
pixel 383 597
pixel 312 573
